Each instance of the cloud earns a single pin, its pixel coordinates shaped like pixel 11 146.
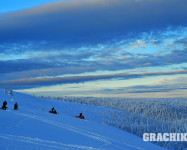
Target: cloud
pixel 176 86
pixel 164 85
pixel 140 42
pixel 76 63
pixel 182 41
pixel 21 65
pixel 81 22
pixel 35 82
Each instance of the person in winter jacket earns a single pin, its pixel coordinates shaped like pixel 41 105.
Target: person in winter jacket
pixel 4 105
pixel 53 111
pixel 16 106
pixel 80 115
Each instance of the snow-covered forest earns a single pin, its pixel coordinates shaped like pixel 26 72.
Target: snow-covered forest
pixel 141 115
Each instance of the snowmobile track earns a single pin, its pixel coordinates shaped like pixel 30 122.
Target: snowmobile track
pixel 89 134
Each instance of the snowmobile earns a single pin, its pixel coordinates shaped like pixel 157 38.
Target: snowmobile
pixel 53 111
pixel 80 117
pixel 4 107
pixel 15 108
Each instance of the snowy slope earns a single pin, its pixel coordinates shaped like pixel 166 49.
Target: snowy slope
pixel 33 128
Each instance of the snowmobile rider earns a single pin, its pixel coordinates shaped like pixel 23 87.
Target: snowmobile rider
pixel 16 106
pixel 80 115
pixel 4 105
pixel 53 110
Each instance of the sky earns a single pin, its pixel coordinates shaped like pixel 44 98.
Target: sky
pixel 100 48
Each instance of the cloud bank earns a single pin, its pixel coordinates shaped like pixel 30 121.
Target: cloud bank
pixel 29 83
pixel 91 21
pixel 80 63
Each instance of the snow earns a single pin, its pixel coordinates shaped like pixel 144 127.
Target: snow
pixel 33 128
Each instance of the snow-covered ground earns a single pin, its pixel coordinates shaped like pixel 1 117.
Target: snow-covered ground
pixel 33 128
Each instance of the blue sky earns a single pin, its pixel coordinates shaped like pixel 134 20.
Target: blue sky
pixel 11 5
pixel 131 48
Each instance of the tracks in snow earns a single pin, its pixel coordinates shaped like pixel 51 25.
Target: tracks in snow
pixel 47 143
pixel 95 136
